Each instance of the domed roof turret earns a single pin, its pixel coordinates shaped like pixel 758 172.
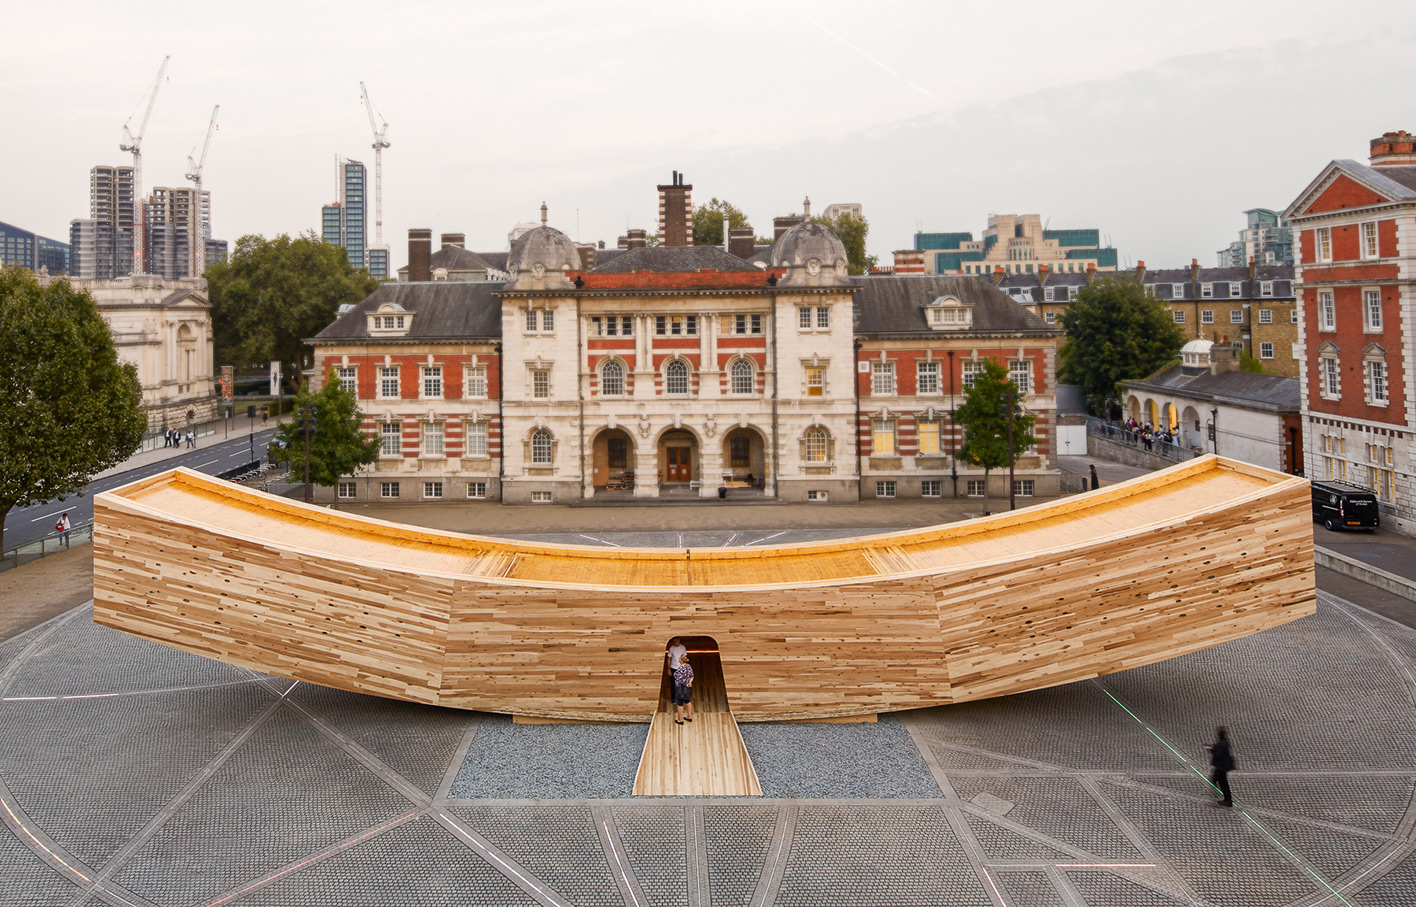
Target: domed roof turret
pixel 813 255
pixel 540 258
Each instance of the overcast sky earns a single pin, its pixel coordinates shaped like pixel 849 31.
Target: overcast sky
pixel 1158 124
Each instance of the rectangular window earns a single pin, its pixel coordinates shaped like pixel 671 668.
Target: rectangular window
pixel 1207 316
pixel 391 436
pixel 974 488
pixel 1292 316
pixel 388 489
pixel 930 488
pixel 348 379
pixel 1048 294
pixel 540 497
pixel 348 490
pixel 1377 383
pixel 1177 291
pixel 882 435
pixel 1372 308
pixel 432 491
pixel 1265 316
pixel 548 320
pixel 531 320
pixel 476 381
pixel 1236 316
pixel 1072 292
pixel 804 317
pixel 432 382
pixel 541 383
pixel 927 377
pixel 882 378
pixel 1020 373
pixel 928 438
pixel 675 325
pixel 1234 289
pixel 1331 388
pixel 971 369
pixel 815 380
pixel 1369 240
pixel 823 317
pixel 739 452
pixel 747 324
pixel 817 496
pixel 476 444
pixel 1265 350
pixel 1023 488
pixel 884 489
pixel 1206 291
pixel 476 491
pixel 388 382
pixel 1327 311
pixel 1324 236
pixel 1050 317
pixel 756 324
pixel 1266 288
pixel 433 439
pixel 1178 315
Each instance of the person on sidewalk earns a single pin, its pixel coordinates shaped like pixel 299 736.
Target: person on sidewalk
pixel 1222 759
pixel 62 527
pixel 683 692
pixel 191 440
pixel 1095 480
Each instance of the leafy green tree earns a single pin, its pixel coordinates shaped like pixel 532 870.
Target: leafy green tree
pixel 1248 363
pixel 274 293
pixel 1115 332
pixel 852 232
pixel 337 445
pixel 984 416
pixel 708 221
pixel 68 407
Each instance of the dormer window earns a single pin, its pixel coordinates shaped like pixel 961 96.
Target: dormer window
pixel 390 319
pixel 1177 291
pixel 947 313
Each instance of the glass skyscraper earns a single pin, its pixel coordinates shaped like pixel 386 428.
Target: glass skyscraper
pixel 343 223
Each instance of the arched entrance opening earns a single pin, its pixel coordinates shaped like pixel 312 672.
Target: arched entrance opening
pixel 1134 410
pixel 612 460
pixel 678 457
pixel 744 459
pixel 1190 435
pixel 1172 417
pixel 1153 414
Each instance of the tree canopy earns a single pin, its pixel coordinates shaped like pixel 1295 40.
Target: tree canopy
pixel 708 221
pixel 68 407
pixel 852 232
pixel 984 417
pixel 274 293
pixel 1115 332
pixel 337 445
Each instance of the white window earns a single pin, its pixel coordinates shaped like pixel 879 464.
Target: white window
pixel 823 317
pixel 1376 383
pixel 882 435
pixel 388 382
pixel 476 381
pixel 540 497
pixel 432 382
pixel 1369 240
pixel 541 383
pixel 348 378
pixel 1265 350
pixel 1206 291
pixel 930 488
pixel 348 490
pixel 1266 288
pixel 1020 372
pixel 1177 291
pixel 476 443
pixel 388 322
pixel 1207 316
pixel 1048 294
pixel 1023 488
pixel 388 489
pixel 1178 315
pixel 1050 317
pixel 928 432
pixel 1324 236
pixel 1331 378
pixel 1236 316
pixel 1265 316
pixel 612 326
pixel 975 488
pixel 885 489
pixel 815 380
pixel 1372 309
pixel 747 324
pixel 804 317
pixel 612 379
pixel 531 320
pixel 432 491
pixel 1072 292
pixel 882 378
pixel 818 496
pixel 391 436
pixel 1327 311
pixel 1234 289
pixel 675 325
pixel 476 491
pixel 927 377
pixel 743 377
pixel 816 445
pixel 433 439
pixel 971 369
pixel 541 448
pixel 1293 316
pixel 676 377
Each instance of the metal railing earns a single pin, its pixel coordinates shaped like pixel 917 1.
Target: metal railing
pixel 1119 434
pixel 49 544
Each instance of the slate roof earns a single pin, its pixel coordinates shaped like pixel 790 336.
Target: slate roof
pixel 672 259
pixel 1266 392
pixel 441 309
pixel 605 256
pixel 496 259
pixel 1397 182
pixel 894 304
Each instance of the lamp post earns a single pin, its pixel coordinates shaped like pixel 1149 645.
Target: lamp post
pixel 1214 429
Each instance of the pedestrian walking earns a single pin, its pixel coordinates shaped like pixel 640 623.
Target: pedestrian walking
pixel 62 527
pixel 167 438
pixel 683 692
pixel 191 440
pixel 1222 760
pixel 1095 480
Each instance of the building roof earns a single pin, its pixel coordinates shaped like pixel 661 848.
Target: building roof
pixel 441 310
pixel 671 259
pixel 894 304
pixel 1270 393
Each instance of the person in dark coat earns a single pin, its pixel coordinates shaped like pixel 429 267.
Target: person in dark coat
pixel 1095 479
pixel 1222 759
pixel 683 692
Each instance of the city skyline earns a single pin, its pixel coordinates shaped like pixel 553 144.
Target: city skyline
pixel 1159 127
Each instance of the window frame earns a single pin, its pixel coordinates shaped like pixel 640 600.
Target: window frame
pixel 1265 349
pixel 388 490
pixel 929 376
pixel 1177 316
pixel 1327 310
pixel 1322 244
pixel 1329 377
pixel 431 382
pixel 1265 316
pixel 816 446
pixel 347 490
pixel 389 373
pixel 884 442
pixel 540 384
pixel 476 435
pixel 1370 241
pixel 1374 370
pixel 885 489
pixel 815 380
pixel 542 448
pixel 1370 296
pixel 476 490
pixel 348 377
pixel 1236 316
pixel 882 378
pixel 387 437
pixel 612 385
pixel 742 370
pixel 675 370
pixel 433 443
pixel 1206 316
pixel 933 430
pixel 432 489
pixel 1021 368
pixel 474 377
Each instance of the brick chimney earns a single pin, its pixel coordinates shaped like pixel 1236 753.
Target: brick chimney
pixel 457 240
pixel 781 225
pixel 1091 272
pixel 1042 272
pixel 742 241
pixel 1253 270
pixel 1394 149
pixel 636 239
pixel 998 274
pixel 1195 273
pixel 909 261
pixel 420 254
pixel 1140 272
pixel 676 213
pixel 1224 357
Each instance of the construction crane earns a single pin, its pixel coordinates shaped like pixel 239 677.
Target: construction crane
pixel 380 143
pixel 194 173
pixel 134 143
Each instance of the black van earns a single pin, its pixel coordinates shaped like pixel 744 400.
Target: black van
pixel 1339 505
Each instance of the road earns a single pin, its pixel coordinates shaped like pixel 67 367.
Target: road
pixel 28 524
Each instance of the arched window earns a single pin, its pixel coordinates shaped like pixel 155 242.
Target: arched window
pixel 816 445
pixel 541 447
pixel 612 379
pixel 742 377
pixel 676 377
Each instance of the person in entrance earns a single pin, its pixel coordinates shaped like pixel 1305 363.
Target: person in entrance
pixel 682 673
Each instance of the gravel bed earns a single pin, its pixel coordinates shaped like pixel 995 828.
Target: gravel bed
pixel 550 761
pixel 839 761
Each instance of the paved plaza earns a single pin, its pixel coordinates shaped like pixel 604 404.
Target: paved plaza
pixel 131 774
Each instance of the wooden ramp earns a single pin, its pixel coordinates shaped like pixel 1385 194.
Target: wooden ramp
pixel 702 758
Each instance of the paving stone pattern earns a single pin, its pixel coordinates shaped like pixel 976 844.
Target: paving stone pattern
pixel 171 780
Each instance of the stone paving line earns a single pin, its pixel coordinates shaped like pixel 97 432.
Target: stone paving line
pixel 1087 794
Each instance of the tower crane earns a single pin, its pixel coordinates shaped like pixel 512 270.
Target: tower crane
pixel 380 143
pixel 134 143
pixel 194 173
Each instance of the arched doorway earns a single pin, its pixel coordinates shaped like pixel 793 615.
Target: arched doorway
pixel 1190 435
pixel 612 460
pixel 1134 410
pixel 1153 414
pixel 678 456
pixel 744 458
pixel 1172 417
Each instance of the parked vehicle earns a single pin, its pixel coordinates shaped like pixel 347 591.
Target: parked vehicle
pixel 1341 505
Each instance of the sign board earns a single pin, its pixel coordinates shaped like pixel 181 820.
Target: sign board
pixel 227 382
pixel 275 379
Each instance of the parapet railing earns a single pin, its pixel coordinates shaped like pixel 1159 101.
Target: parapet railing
pixel 1119 434
pixel 52 543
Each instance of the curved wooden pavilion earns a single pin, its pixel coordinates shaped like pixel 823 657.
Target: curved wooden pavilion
pixel 1196 555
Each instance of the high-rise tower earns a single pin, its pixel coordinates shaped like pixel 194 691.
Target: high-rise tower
pixel 344 222
pixel 102 246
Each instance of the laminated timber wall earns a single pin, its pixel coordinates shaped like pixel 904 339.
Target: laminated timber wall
pixel 1199 554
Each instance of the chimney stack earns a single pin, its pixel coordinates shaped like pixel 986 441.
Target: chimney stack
pixel 1042 272
pixel 420 254
pixel 637 239
pixel 1394 149
pixel 806 208
pixel 1224 357
pixel 676 213
pixel 1091 272
pixel 1253 270
pixel 998 274
pixel 781 225
pixel 909 261
pixel 458 240
pixel 1195 273
pixel 742 241
pixel 1140 272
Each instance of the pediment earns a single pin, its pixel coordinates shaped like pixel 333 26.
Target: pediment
pixel 1337 188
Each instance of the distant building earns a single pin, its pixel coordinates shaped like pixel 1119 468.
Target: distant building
pixel 833 212
pixel 1016 243
pixel 1267 240
pixel 30 250
pixel 345 222
pixel 101 246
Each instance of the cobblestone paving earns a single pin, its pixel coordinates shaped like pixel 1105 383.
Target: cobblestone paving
pixel 133 774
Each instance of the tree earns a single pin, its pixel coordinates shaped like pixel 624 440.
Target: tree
pixel 1248 363
pixel 1115 331
pixel 68 407
pixel 337 445
pixel 708 221
pixel 274 293
pixel 852 232
pixel 984 416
